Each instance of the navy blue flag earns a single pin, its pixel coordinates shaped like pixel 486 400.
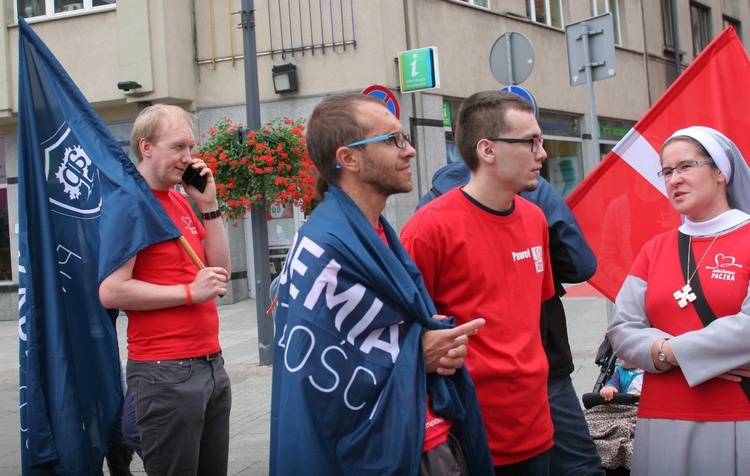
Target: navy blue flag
pixel 349 377
pixel 84 210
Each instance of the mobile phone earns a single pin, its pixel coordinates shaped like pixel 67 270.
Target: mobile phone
pixel 193 177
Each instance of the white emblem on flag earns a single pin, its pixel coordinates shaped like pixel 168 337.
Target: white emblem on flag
pixel 74 172
pixel 71 175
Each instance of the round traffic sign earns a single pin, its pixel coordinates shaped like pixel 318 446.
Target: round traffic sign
pixel 511 58
pixel 385 95
pixel 524 93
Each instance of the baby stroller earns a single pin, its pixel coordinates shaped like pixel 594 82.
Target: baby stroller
pixel 611 423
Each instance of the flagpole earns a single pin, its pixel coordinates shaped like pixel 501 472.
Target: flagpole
pixel 189 250
pixel 257 214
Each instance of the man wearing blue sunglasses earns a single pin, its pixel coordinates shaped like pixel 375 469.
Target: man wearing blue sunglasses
pixel 367 380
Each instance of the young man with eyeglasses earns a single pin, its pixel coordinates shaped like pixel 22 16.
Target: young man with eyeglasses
pixel 361 361
pixel 483 252
pixel 573 261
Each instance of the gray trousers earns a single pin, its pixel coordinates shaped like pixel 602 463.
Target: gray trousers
pixel 444 460
pixel 182 412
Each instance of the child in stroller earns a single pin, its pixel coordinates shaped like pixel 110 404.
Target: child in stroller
pixel 626 378
pixel 611 415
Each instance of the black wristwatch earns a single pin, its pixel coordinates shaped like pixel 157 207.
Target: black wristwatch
pixel 211 215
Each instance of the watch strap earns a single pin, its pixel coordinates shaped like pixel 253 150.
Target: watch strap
pixel 211 215
pixel 662 356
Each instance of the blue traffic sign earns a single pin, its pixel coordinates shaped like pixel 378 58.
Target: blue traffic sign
pixel 524 93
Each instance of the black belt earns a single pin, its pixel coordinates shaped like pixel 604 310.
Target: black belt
pixel 208 357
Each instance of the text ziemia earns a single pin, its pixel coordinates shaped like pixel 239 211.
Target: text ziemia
pixel 317 352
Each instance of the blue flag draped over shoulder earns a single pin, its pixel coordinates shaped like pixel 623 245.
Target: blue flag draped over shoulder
pixel 349 377
pixel 83 211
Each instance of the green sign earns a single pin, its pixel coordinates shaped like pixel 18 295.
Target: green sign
pixel 613 129
pixel 446 114
pixel 418 69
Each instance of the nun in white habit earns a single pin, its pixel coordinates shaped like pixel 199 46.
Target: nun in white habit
pixel 683 315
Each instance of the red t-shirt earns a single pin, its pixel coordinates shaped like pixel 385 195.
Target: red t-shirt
pixel 181 331
pixel 724 276
pixel 436 428
pixel 477 263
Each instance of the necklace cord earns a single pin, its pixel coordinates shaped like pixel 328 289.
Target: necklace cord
pixel 688 276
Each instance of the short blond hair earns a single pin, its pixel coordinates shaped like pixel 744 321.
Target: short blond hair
pixel 146 125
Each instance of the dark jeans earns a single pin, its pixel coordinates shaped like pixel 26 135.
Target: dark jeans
pixel 116 437
pixel 574 453
pixel 182 411
pixel 129 428
pixel 535 466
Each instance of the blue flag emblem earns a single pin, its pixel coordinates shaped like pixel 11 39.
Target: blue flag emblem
pixel 71 176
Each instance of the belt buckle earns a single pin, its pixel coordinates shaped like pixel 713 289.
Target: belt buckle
pixel 213 356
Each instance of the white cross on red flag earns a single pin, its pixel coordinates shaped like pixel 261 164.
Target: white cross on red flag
pixel 622 203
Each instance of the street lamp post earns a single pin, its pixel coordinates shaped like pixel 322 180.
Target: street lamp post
pixel 257 214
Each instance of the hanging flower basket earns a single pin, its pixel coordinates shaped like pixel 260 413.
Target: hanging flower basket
pixel 258 168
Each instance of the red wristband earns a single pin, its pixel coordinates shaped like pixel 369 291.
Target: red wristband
pixel 189 295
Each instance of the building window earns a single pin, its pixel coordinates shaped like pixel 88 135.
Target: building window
pixel 48 8
pixel 729 21
pixel 450 108
pixel 611 131
pixel 599 7
pixel 6 273
pixel 548 12
pixel 562 142
pixel 700 19
pixel 479 3
pixel 666 16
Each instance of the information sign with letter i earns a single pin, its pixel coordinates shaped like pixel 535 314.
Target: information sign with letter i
pixel 418 69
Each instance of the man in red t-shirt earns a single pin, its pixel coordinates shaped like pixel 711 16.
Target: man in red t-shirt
pixel 175 373
pixel 483 252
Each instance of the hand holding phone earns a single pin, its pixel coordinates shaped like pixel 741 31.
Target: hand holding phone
pixel 193 177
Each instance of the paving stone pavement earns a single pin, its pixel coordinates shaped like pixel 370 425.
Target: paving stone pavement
pixel 251 383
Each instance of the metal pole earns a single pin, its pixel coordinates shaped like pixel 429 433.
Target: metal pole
pixel 675 38
pixel 590 89
pixel 257 216
pixel 510 59
pixel 594 128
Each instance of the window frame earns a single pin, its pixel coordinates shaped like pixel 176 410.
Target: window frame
pixel 87 6
pixel 4 189
pixel 668 26
pixel 561 128
pixel 613 7
pixel 554 178
pixel 531 10
pixel 729 20
pixel 6 228
pixel 702 15
pixel 478 3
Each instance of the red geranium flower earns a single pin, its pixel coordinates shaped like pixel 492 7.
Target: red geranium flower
pixel 260 167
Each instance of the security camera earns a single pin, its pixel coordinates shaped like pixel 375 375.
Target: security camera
pixel 128 85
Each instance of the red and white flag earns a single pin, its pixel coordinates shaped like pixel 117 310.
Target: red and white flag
pixel 622 203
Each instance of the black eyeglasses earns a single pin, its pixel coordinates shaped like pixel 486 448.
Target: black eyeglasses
pixel 399 138
pixel 535 142
pixel 683 168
